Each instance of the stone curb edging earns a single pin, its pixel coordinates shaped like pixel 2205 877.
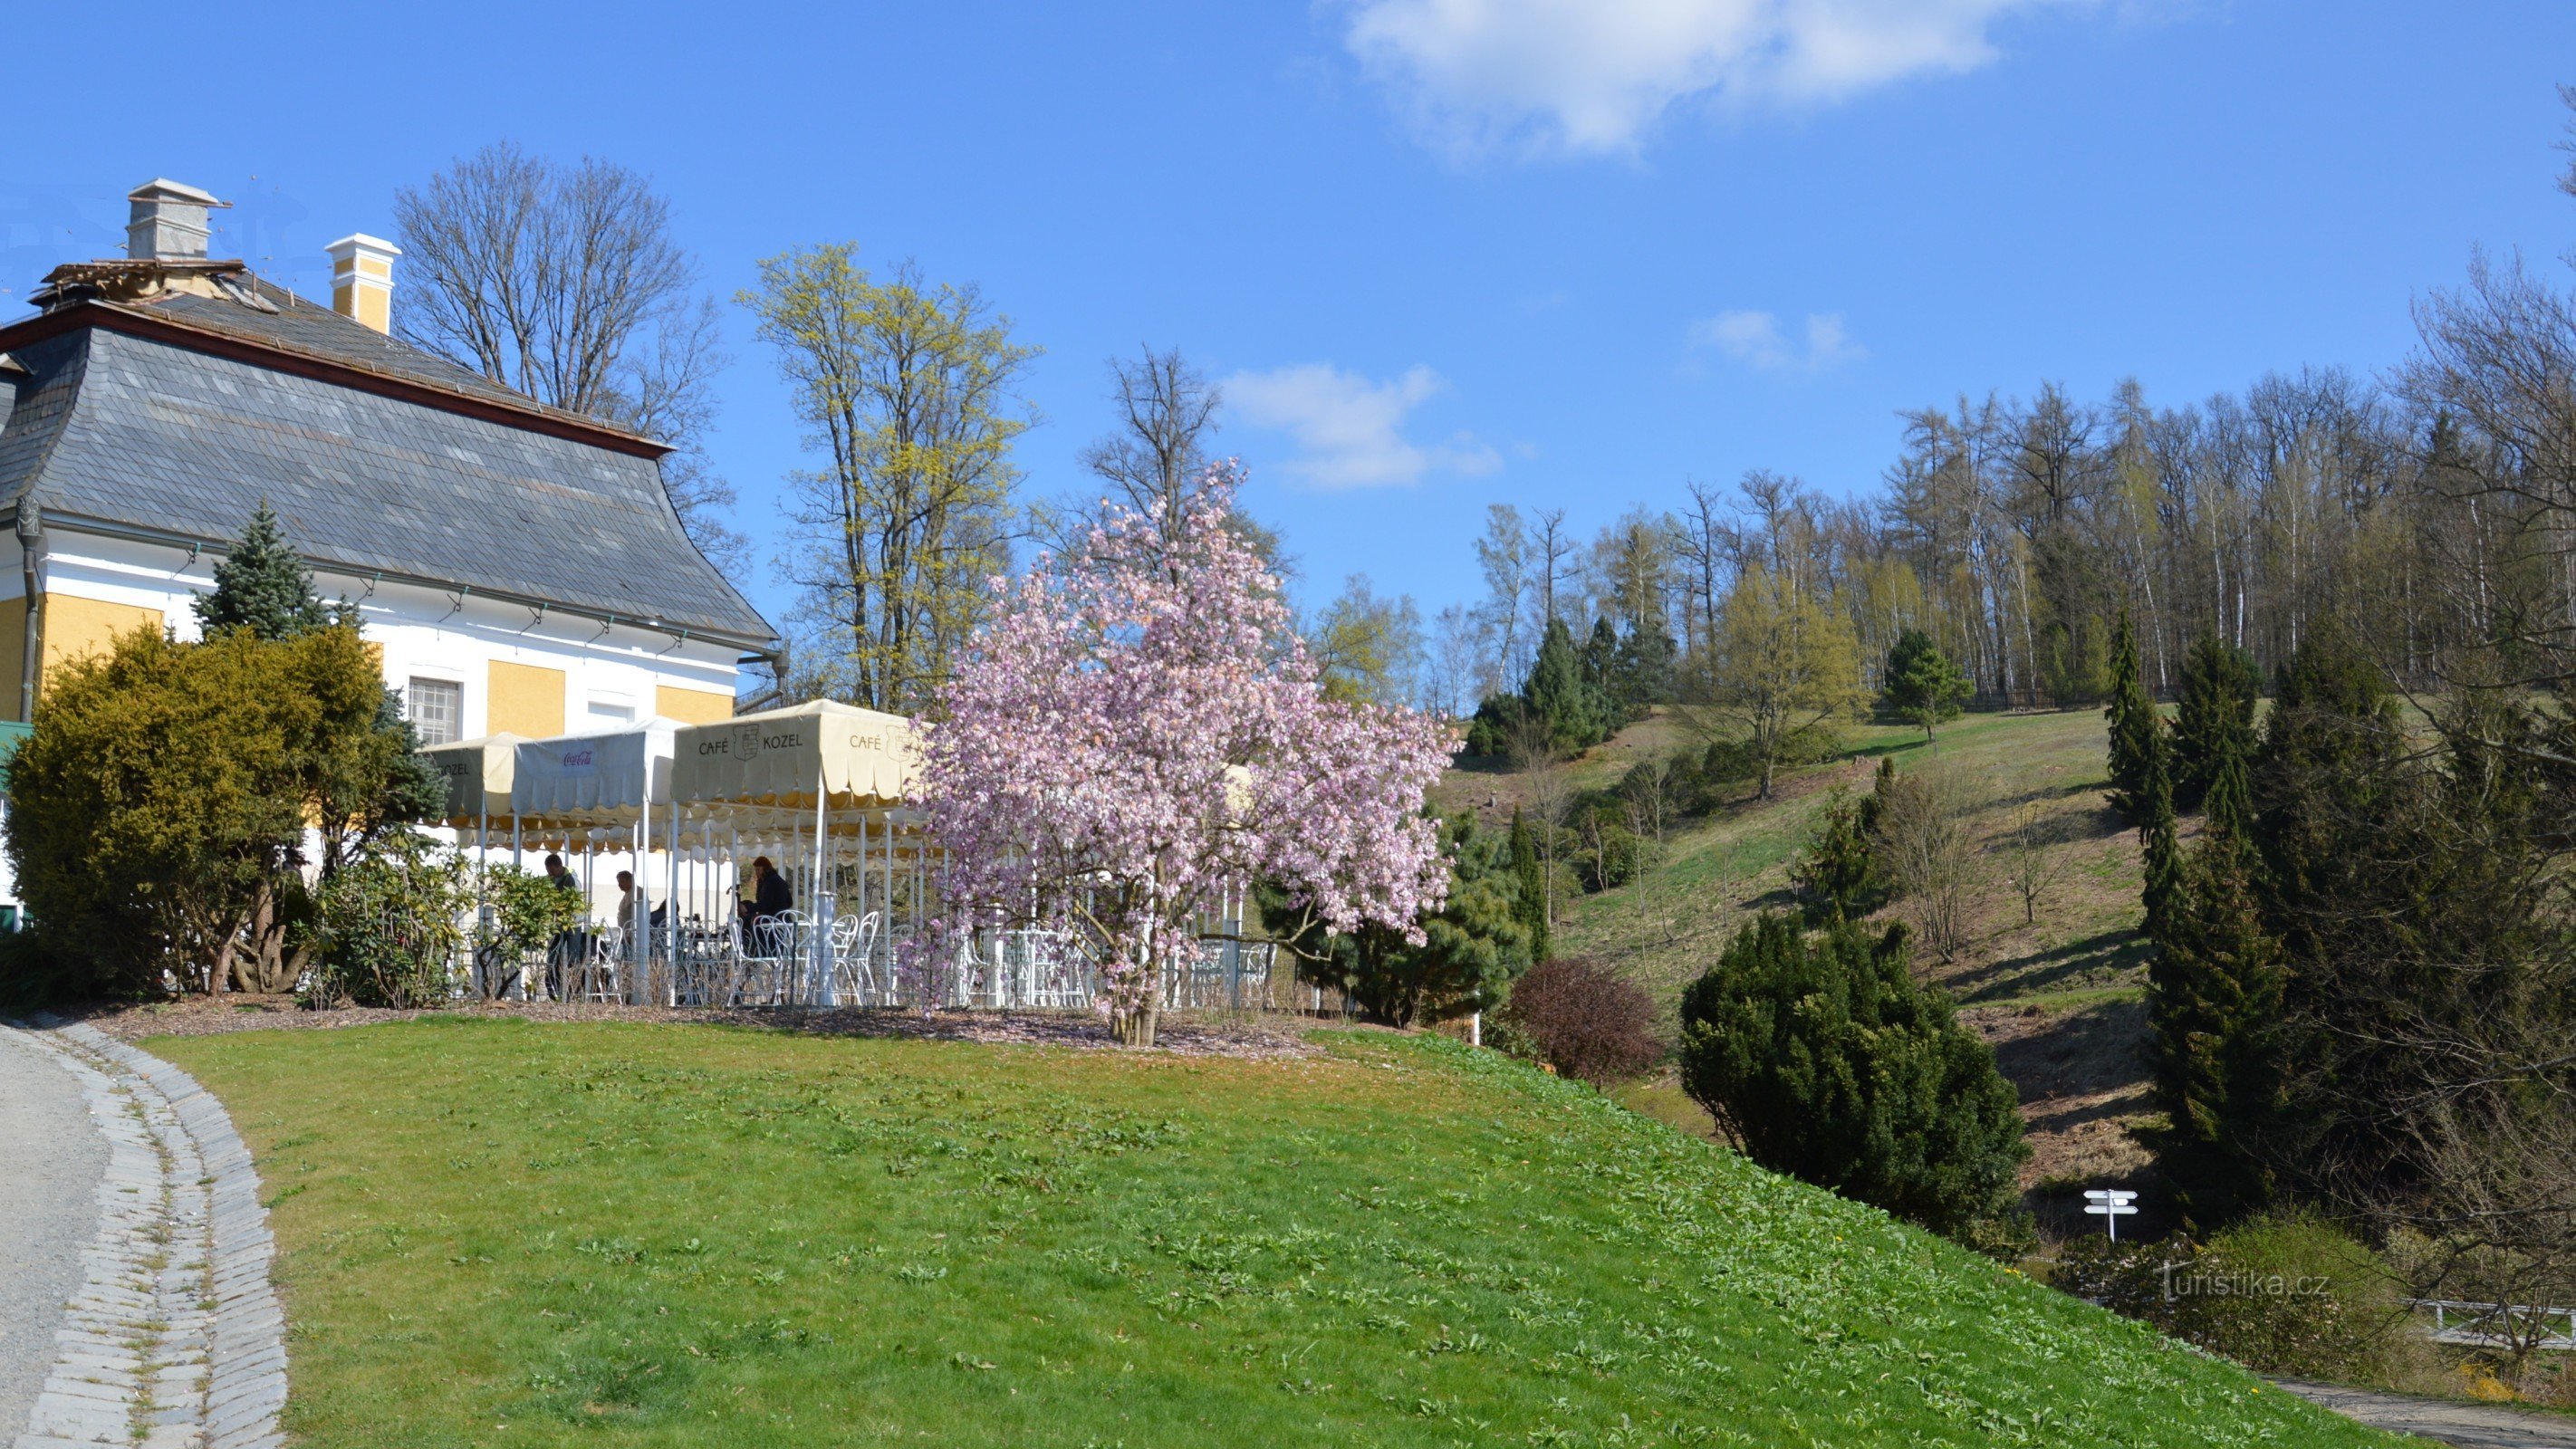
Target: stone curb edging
pixel 176 1339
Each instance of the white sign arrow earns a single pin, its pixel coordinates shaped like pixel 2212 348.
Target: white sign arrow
pixel 2111 1204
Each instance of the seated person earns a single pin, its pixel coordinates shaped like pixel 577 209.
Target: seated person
pixel 626 901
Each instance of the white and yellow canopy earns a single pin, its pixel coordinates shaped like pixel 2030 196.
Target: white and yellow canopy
pixel 478 774
pixel 819 753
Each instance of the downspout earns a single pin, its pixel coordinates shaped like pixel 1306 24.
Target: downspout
pixel 31 558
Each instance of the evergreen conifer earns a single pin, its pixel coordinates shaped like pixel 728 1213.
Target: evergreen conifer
pixel 1533 887
pixel 262 585
pixel 2163 855
pixel 1472 948
pixel 1823 1058
pixel 1922 685
pixel 2134 726
pixel 2216 992
pixel 1838 871
pixel 1558 694
pixel 2219 688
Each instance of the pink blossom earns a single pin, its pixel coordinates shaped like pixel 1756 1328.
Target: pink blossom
pixel 1129 740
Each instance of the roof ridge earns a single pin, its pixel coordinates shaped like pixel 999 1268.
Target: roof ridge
pixel 491 393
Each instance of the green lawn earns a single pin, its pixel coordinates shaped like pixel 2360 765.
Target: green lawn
pixel 502 1233
pixel 1716 873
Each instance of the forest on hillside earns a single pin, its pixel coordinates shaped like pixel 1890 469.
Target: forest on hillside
pixel 2423 508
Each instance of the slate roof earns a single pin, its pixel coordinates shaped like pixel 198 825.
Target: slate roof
pixel 178 416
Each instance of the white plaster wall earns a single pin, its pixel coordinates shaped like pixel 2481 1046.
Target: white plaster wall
pixel 423 631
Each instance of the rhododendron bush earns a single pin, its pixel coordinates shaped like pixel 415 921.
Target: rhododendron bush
pixel 1129 740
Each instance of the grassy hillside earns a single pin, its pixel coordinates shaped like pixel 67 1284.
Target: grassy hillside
pixel 2062 998
pixel 497 1233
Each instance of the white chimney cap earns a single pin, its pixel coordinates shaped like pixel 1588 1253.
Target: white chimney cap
pixel 162 188
pixel 357 243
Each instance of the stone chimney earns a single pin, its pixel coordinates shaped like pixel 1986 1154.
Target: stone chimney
pixel 167 222
pixel 362 279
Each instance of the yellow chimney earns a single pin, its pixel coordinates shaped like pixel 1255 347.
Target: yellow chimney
pixel 362 279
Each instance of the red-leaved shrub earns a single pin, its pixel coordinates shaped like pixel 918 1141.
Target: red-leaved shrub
pixel 1584 1020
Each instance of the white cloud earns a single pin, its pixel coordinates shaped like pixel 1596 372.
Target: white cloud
pixel 1594 75
pixel 1754 338
pixel 1350 430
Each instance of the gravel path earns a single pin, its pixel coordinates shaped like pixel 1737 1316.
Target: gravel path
pixel 171 1337
pixel 51 1160
pixel 2469 1426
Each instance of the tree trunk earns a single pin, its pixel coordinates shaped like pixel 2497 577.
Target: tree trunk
pixel 1134 1028
pixel 265 966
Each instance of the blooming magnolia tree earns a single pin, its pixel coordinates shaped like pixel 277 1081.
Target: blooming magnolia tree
pixel 1129 740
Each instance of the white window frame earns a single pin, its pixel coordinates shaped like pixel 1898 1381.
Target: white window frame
pixel 410 712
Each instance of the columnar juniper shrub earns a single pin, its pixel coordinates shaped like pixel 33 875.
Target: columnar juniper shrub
pixel 1584 1020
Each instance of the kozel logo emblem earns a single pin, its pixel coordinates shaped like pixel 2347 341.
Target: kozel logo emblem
pixel 746 743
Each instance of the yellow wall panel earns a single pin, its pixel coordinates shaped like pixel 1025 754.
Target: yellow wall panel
pixel 526 699
pixel 691 706
pixel 13 654
pixel 75 628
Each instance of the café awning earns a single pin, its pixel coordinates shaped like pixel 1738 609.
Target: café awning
pixel 478 773
pixel 595 781
pixel 778 759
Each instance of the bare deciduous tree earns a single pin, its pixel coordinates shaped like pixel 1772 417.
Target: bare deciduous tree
pixel 563 282
pixel 1154 461
pixel 1550 795
pixel 1705 546
pixel 1457 647
pixel 1553 552
pixel 2032 845
pixel 1927 844
pixel 1503 555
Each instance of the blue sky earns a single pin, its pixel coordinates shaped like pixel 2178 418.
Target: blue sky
pixel 1448 252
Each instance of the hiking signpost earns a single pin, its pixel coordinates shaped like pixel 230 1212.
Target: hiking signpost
pixel 2110 1204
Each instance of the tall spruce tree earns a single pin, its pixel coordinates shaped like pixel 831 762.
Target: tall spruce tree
pixel 2134 726
pixel 1646 658
pixel 367 785
pixel 2163 856
pixel 1533 887
pixel 262 585
pixel 2325 784
pixel 2220 685
pixel 2215 996
pixel 1561 696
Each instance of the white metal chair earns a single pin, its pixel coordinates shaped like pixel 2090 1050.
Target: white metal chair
pixel 854 938
pixel 602 968
pixel 769 959
pixel 1056 976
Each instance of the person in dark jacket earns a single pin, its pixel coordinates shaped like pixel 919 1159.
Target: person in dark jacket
pixel 770 893
pixel 568 946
